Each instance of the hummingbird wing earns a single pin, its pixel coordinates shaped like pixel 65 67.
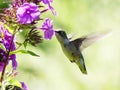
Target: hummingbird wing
pixel 86 41
pixel 92 38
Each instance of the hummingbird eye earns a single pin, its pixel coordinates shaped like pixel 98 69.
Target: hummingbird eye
pixel 62 33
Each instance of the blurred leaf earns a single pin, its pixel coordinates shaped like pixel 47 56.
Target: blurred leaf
pixel 12 81
pixel 2 47
pixel 24 52
pixel 18 43
pixel 4 4
pixel 25 44
pixel 8 28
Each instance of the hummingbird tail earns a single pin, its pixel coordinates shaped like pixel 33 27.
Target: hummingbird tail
pixel 81 65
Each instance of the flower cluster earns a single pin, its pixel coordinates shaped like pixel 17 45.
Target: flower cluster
pixel 28 13
pixel 7 42
pixel 22 15
pixel 25 12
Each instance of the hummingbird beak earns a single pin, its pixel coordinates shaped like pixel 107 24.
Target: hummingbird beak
pixel 56 31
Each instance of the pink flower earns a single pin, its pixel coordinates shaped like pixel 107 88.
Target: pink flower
pixel 27 13
pixel 49 6
pixel 47 27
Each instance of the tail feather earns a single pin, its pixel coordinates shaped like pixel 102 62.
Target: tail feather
pixel 81 64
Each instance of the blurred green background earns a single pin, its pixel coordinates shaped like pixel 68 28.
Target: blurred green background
pixel 53 71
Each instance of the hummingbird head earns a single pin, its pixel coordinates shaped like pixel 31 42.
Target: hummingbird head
pixel 61 36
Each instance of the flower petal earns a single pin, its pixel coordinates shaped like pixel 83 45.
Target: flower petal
pixel 47 27
pixel 1 66
pixel 27 13
pixel 48 34
pixel 24 86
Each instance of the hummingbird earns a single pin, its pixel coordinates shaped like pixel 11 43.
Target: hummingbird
pixel 73 48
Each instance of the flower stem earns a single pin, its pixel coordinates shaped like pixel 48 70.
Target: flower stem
pixel 8 53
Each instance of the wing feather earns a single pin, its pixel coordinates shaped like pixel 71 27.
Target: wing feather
pixel 85 41
pixel 92 38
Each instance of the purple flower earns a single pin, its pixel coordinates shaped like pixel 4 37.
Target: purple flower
pixel 49 6
pixel 27 13
pixel 47 27
pixel 1 66
pixel 14 62
pixel 5 40
pixel 2 59
pixel 44 1
pixel 24 86
pixel 17 3
pixel 47 1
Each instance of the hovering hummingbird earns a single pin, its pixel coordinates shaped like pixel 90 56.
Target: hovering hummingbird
pixel 72 49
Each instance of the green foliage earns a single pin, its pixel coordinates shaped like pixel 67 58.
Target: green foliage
pixel 2 47
pixel 4 4
pixel 24 52
pixel 102 59
pixel 12 81
pixel 11 84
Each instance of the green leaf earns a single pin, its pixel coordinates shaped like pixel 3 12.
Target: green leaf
pixel 2 47
pixel 8 28
pixel 14 82
pixel 24 52
pixel 18 43
pixel 25 44
pixel 11 81
pixel 32 53
pixel 3 4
